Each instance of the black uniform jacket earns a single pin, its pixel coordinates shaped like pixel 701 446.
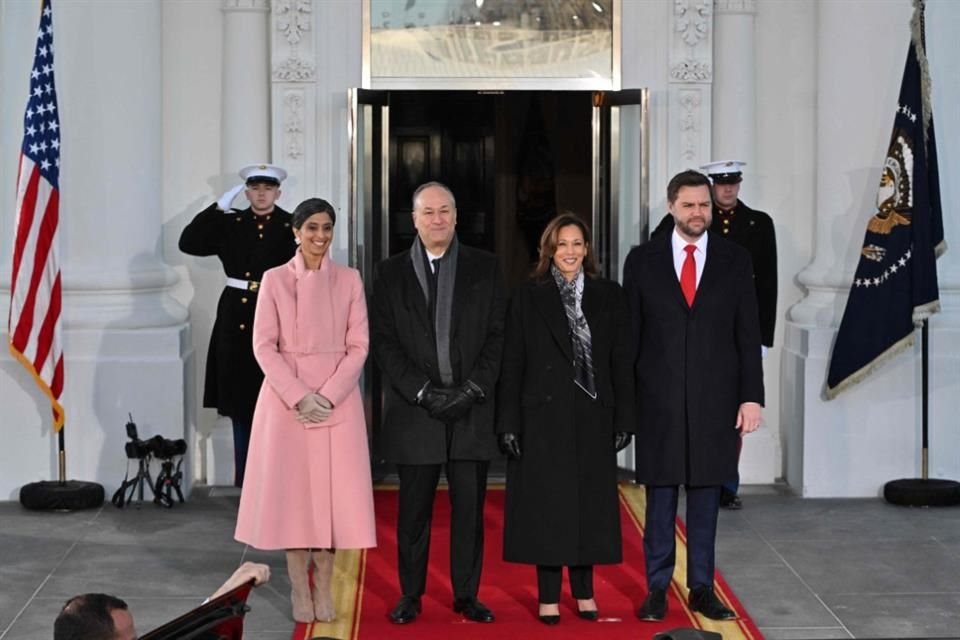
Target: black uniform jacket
pixel 246 250
pixel 561 505
pixel 753 230
pixel 402 337
pixel 695 365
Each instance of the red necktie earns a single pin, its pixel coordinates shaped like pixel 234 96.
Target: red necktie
pixel 688 275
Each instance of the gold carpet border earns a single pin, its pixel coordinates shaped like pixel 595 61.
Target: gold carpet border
pixel 348 570
pixel 635 499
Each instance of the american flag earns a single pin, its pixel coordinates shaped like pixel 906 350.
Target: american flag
pixel 35 296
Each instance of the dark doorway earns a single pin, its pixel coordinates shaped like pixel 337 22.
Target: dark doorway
pixel 511 159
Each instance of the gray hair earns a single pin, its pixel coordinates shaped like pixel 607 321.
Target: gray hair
pixel 439 185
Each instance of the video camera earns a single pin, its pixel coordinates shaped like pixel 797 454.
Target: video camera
pixel 144 451
pixel 157 446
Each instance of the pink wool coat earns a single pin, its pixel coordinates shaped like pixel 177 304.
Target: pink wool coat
pixel 309 486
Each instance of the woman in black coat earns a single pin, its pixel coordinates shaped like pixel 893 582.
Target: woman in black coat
pixel 565 407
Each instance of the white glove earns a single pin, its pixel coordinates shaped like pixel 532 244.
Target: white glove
pixel 313 408
pixel 228 197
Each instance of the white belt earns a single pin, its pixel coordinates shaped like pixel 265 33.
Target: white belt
pixel 246 285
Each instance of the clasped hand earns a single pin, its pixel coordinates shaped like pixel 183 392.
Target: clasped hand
pixel 448 405
pixel 313 408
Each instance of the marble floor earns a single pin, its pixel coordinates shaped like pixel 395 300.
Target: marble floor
pixel 804 568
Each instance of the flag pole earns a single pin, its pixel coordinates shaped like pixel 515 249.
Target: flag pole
pixel 62 457
pixel 925 399
pixel 923 491
pixel 34 323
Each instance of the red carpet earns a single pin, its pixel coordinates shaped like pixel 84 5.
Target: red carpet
pixel 508 589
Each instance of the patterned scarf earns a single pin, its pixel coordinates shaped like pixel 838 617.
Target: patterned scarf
pixel 571 294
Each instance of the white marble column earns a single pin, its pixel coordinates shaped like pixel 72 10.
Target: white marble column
pixel 245 127
pixel 734 85
pixel 733 134
pixel 870 434
pixel 124 336
pixel 244 139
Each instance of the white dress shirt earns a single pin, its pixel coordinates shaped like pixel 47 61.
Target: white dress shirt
pixel 680 254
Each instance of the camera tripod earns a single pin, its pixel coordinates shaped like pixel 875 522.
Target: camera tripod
pixel 167 482
pixel 135 484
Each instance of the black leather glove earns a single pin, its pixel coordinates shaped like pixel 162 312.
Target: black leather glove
pixel 510 445
pixel 621 439
pixel 432 398
pixel 459 402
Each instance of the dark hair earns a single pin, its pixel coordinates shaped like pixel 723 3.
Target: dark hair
pixel 309 207
pixel 87 617
pixel 688 178
pixel 433 183
pixel 548 244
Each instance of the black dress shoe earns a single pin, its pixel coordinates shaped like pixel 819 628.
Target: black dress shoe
pixel 730 500
pixel 406 610
pixel 589 615
pixel 704 600
pixel 654 608
pixel 550 620
pixel 472 609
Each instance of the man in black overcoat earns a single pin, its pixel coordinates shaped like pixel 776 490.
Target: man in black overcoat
pixel 436 325
pixel 753 230
pixel 247 242
pixel 699 385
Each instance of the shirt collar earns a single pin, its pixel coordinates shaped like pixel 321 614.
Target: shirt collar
pixel 679 243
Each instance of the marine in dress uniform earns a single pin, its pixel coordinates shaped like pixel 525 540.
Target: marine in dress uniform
pixel 753 230
pixel 247 242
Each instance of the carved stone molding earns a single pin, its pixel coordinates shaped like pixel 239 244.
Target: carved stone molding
pixel 293 62
pixel 736 6
pixel 246 5
pixel 691 71
pixel 294 70
pixel 690 119
pixel 692 20
pixel 691 42
pixel 293 18
pixel 293 103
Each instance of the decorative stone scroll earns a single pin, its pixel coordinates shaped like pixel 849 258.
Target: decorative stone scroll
pixel 293 19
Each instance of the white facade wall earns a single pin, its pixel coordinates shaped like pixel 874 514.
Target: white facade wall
pixel 146 150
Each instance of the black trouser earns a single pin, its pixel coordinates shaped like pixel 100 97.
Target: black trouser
pixel 549 578
pixel 241 443
pixel 467 482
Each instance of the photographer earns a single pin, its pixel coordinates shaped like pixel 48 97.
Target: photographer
pixel 97 616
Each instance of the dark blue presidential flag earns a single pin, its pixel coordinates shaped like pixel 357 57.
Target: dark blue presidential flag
pixel 895 286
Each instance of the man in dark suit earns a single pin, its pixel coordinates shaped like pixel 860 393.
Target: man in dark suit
pixel 247 242
pixel 436 324
pixel 699 385
pixel 753 230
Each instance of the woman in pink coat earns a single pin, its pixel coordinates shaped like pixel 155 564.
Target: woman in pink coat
pixel 307 487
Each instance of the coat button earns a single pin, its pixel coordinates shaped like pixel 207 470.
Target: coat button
pixel 243 300
pixel 242 327
pixel 549 367
pixel 549 398
pixel 247 274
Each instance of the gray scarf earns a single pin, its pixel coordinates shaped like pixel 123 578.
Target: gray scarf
pixel 444 302
pixel 571 294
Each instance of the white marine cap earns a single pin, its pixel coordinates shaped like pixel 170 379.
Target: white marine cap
pixel 724 171
pixel 263 173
